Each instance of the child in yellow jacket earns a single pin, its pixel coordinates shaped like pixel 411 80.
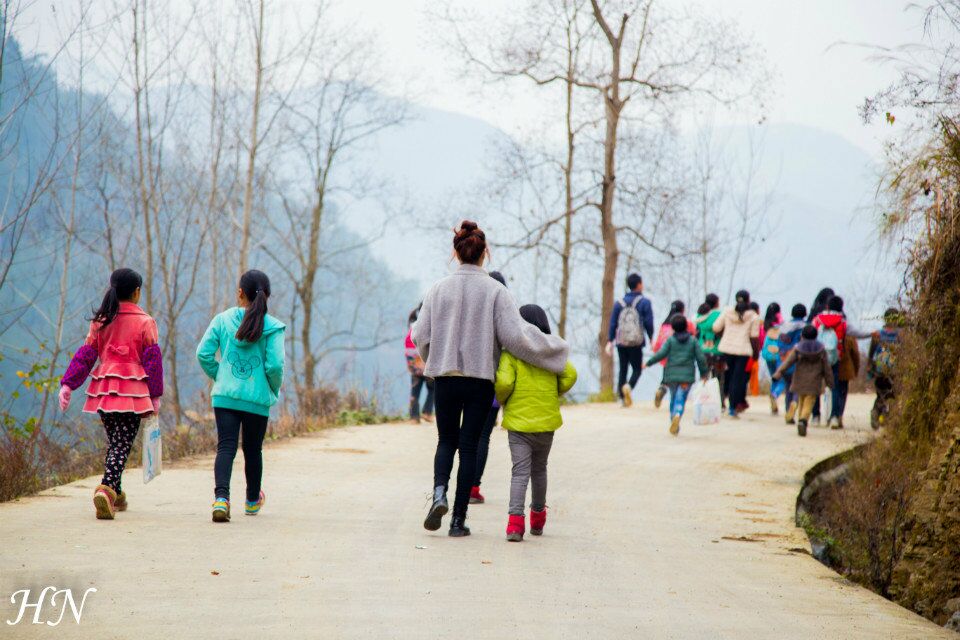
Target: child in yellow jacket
pixel 530 397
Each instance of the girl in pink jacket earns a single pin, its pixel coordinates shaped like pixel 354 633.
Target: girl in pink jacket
pixel 127 384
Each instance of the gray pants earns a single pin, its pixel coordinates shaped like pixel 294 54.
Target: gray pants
pixel 529 452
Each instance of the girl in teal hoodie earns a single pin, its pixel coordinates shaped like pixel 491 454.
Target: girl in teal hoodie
pixel 247 380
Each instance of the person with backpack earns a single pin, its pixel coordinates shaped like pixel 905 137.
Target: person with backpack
pixel 881 365
pixel 789 337
pixel 770 350
pixel 677 308
pixel 682 358
pixel 813 373
pixel 831 326
pixel 707 314
pixel 246 383
pixel 740 342
pixel 631 318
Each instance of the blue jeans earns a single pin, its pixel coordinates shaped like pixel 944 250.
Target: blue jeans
pixel 839 393
pixel 678 397
pixel 789 396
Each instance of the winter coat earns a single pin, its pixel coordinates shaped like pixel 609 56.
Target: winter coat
pixel 465 321
pixel 849 364
pixel 530 395
pixel 681 353
pixel 737 332
pixel 706 335
pixel 812 373
pixel 249 374
pixel 130 372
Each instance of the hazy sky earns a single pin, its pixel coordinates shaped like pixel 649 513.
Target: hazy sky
pixel 819 80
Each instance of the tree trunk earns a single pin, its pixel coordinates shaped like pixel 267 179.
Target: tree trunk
pixel 568 197
pixel 142 179
pixel 252 150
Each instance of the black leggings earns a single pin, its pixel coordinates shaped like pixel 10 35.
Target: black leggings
pixel 483 447
pixel 230 423
pixel 467 399
pixel 736 380
pixel 121 431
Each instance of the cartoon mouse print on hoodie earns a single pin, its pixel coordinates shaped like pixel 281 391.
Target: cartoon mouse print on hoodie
pixel 242 368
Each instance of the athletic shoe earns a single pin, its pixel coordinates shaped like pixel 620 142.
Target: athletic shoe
pixel 475 496
pixel 774 409
pixel 221 510
pixel 538 519
pixel 815 421
pixel 802 428
pixel 675 425
pixel 515 528
pixel 414 421
pixel 837 424
pixel 658 396
pixel 627 395
pixel 253 508
pixel 428 417
pixel 121 503
pixel 104 501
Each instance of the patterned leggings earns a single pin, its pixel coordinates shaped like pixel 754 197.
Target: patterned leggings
pixel 121 429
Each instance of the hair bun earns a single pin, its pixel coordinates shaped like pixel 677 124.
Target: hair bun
pixel 468 226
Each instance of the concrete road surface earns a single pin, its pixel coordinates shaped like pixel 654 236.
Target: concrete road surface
pixel 648 536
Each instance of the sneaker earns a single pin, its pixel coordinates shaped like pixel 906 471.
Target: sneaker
pixel 475 496
pixel 121 502
pixel 802 428
pixel 515 528
pixel 253 508
pixel 538 519
pixel 104 501
pixel 427 417
pixel 837 424
pixel 414 421
pixel 675 425
pixel 815 421
pixel 627 395
pixel 658 396
pixel 774 409
pixel 221 510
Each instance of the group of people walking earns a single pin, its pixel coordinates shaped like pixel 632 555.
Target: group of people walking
pixel 805 355
pixel 127 385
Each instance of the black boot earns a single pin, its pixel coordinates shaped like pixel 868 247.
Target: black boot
pixel 458 527
pixel 438 509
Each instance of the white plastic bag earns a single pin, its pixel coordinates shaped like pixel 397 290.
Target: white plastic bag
pixel 706 402
pixel 152 448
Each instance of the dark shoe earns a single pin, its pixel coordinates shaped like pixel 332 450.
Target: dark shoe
pixel 802 428
pixel 458 527
pixel 438 509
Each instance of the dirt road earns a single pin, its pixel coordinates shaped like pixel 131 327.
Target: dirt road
pixel 648 536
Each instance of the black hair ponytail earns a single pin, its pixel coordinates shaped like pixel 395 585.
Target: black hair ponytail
pixel 256 287
pixel 743 302
pixel 123 284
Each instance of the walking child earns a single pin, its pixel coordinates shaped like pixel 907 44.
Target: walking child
pixel 707 314
pixel 770 350
pixel 789 338
pixel 630 319
pixel 811 376
pixel 881 367
pixel 740 342
pixel 126 386
pixel 530 397
pixel 681 354
pixel 247 379
pixel 418 381
pixel 677 308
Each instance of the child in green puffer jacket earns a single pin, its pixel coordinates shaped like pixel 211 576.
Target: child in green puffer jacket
pixel 530 397
pixel 683 356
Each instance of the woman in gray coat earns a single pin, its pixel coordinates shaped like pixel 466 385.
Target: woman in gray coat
pixel 466 319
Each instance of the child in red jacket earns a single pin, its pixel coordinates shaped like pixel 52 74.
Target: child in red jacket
pixel 127 384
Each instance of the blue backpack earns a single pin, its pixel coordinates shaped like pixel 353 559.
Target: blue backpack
pixel 828 337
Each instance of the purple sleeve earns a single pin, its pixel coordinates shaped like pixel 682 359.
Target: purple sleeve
pixel 152 361
pixel 80 366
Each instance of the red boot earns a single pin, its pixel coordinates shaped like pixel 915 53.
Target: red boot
pixel 537 520
pixel 475 496
pixel 515 528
